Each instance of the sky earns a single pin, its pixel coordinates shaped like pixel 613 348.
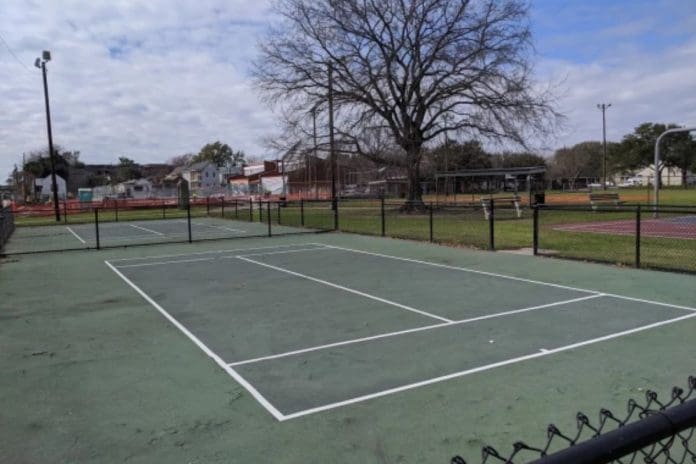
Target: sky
pixel 158 78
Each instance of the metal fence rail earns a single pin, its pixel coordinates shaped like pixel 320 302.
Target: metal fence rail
pixel 653 431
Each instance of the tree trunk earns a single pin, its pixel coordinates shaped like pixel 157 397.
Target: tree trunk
pixel 414 197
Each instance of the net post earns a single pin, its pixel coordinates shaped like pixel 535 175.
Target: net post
pixel 302 212
pixel 382 213
pixel 96 226
pixel 535 230
pixel 430 220
pixel 638 220
pixel 268 217
pixel 491 227
pixel 188 220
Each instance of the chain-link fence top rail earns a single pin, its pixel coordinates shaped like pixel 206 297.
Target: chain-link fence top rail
pixel 7 226
pixel 649 431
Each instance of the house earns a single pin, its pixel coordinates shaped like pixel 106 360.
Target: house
pixel 136 188
pixel 200 176
pixel 259 179
pixel 43 190
pixel 670 176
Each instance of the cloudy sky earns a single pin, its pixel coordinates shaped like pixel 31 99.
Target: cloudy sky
pixel 157 78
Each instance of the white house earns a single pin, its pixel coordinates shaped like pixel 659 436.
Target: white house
pixel 43 188
pixel 670 176
pixel 136 188
pixel 201 176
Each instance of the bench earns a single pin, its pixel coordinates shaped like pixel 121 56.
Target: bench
pixel 513 200
pixel 598 199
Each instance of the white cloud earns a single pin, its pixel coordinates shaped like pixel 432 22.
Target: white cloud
pixel 153 79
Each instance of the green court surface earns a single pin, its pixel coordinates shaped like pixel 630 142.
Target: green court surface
pixel 320 348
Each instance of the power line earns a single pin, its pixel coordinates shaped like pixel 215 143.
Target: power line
pixel 13 54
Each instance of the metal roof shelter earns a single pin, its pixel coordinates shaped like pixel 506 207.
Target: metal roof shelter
pixel 530 173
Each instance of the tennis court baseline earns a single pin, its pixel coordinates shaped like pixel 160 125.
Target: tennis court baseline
pixel 307 328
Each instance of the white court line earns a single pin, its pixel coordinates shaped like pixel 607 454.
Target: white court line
pixel 504 276
pixel 75 234
pixel 161 263
pixel 464 269
pixel 296 250
pixel 346 289
pixel 487 367
pixel 202 224
pixel 197 253
pixel 146 229
pixel 260 398
pixel 410 331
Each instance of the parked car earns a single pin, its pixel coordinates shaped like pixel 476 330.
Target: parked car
pixel 631 182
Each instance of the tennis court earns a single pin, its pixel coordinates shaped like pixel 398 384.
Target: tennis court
pixel 136 232
pixel 311 327
pixel 678 227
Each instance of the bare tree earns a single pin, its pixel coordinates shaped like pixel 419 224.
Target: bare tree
pixel 412 69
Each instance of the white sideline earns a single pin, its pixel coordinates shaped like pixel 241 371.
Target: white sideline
pixel 202 224
pixel 210 252
pixel 255 393
pixel 296 250
pixel 504 276
pixel 75 234
pixel 454 375
pixel 346 289
pixel 146 230
pixel 409 331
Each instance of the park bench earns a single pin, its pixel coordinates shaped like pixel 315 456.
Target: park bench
pixel 513 200
pixel 603 198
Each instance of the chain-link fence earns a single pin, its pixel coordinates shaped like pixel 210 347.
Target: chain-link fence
pixel 126 224
pixel 639 236
pixel 651 430
pixel 7 226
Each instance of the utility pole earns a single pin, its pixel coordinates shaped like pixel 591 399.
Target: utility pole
pixel 332 147
pixel 603 107
pixel 41 63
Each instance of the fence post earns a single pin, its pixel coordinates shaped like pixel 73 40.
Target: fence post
pixel 638 220
pixel 222 207
pixel 236 209
pixel 278 204
pixel 116 209
pixel 188 220
pixel 260 211
pixel 207 205
pixel 384 226
pixel 535 230
pixel 491 227
pixel 164 209
pixel 251 210
pixel 268 216
pixel 335 209
pixel 302 212
pixel 65 211
pixel 430 220
pixel 96 226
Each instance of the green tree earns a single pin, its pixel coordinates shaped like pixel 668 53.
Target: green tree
pixel 127 169
pixel 637 149
pixel 221 154
pixel 581 160
pixel 38 163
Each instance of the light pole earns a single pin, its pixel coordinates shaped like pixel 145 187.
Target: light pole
pixel 332 143
pixel 41 64
pixel 603 107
